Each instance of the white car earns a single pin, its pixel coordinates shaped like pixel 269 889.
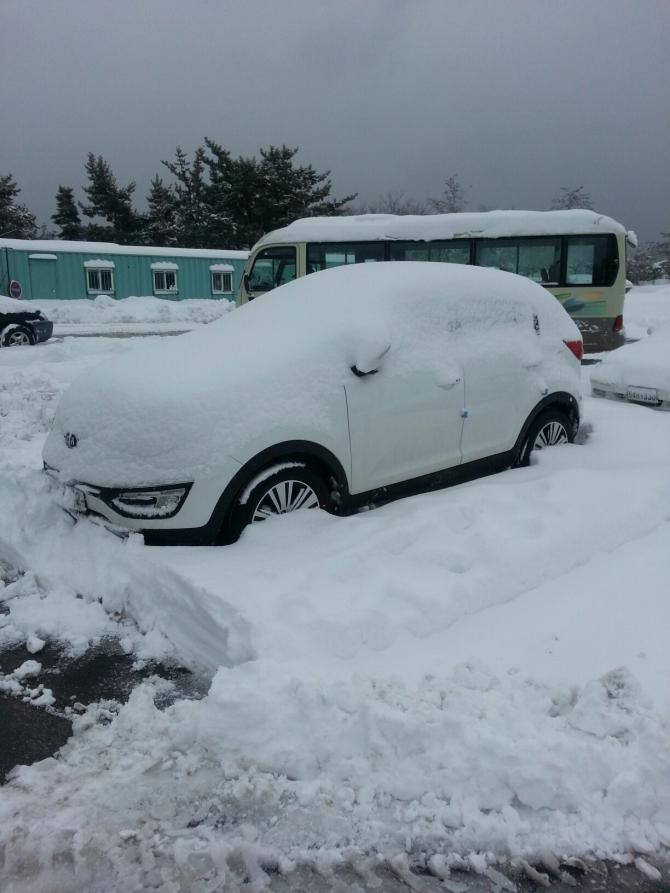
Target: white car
pixel 636 373
pixel 341 389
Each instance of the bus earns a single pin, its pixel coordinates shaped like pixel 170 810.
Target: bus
pixel 578 255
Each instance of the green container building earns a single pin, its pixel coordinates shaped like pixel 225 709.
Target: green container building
pixel 53 269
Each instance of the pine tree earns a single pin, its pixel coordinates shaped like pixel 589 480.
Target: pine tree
pixel 16 221
pixel 67 215
pixel 160 222
pixel 276 191
pixel 193 216
pixel 572 198
pixel 110 202
pixel 452 200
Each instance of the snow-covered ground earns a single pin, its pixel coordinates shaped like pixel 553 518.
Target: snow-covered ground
pixel 461 678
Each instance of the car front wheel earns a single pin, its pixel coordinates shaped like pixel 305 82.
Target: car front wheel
pixel 17 335
pixel 278 491
pixel 549 429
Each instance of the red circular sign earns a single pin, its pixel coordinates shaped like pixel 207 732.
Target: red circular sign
pixel 15 289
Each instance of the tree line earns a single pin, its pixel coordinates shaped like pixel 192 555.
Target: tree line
pixel 214 200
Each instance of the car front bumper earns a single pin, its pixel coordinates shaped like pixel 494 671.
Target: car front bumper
pixel 656 398
pixel 43 329
pixel 196 520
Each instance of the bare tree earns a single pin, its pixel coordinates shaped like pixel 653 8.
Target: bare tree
pixel 452 199
pixel 391 203
pixel 572 198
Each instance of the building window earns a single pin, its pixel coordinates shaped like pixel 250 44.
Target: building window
pixel 100 281
pixel 165 281
pixel 222 283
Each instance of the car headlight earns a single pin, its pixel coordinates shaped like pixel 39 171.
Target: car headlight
pixel 163 503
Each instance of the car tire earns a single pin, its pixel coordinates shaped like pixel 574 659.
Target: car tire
pixel 16 335
pixel 277 491
pixel 548 429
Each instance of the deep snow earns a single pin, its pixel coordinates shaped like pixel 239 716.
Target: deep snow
pixel 480 673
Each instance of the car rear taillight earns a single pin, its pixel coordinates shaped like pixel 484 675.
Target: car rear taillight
pixel 618 324
pixel 577 347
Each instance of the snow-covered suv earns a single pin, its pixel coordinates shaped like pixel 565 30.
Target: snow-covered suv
pixel 347 387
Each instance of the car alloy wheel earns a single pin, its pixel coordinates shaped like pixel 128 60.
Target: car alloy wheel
pixel 17 337
pixel 551 428
pixel 283 497
pixel 550 434
pixel 288 487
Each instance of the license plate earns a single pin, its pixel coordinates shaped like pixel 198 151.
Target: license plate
pixel 643 395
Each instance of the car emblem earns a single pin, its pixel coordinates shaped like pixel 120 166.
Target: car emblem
pixel 71 440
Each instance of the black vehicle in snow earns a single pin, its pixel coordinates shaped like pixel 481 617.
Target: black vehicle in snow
pixel 18 325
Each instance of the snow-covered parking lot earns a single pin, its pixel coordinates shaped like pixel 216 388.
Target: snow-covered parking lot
pixel 464 679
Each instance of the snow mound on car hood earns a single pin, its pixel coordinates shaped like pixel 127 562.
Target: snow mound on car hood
pixel 13 305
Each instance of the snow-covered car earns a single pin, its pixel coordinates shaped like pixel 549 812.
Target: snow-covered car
pixel 341 389
pixel 19 326
pixel 636 373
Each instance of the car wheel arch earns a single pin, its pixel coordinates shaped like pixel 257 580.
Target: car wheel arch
pixel 560 401
pixel 318 459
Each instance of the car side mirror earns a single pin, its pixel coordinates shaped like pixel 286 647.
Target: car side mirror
pixel 368 357
pixel 245 282
pixel 357 372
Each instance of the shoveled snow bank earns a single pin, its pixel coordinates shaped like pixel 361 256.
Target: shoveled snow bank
pixel 79 583
pixel 106 311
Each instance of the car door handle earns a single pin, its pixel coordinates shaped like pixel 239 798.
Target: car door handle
pixel 448 383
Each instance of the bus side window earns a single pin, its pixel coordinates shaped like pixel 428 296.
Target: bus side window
pixel 592 260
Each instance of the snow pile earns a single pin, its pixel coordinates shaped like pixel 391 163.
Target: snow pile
pixel 647 310
pixel 505 767
pixel 79 583
pixel 104 311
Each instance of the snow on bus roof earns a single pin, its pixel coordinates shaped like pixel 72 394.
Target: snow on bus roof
pixel 51 245
pixel 413 227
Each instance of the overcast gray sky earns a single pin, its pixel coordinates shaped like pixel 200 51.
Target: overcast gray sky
pixel 517 97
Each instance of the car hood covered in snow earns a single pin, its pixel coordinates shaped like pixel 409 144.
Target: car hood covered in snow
pixel 173 408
